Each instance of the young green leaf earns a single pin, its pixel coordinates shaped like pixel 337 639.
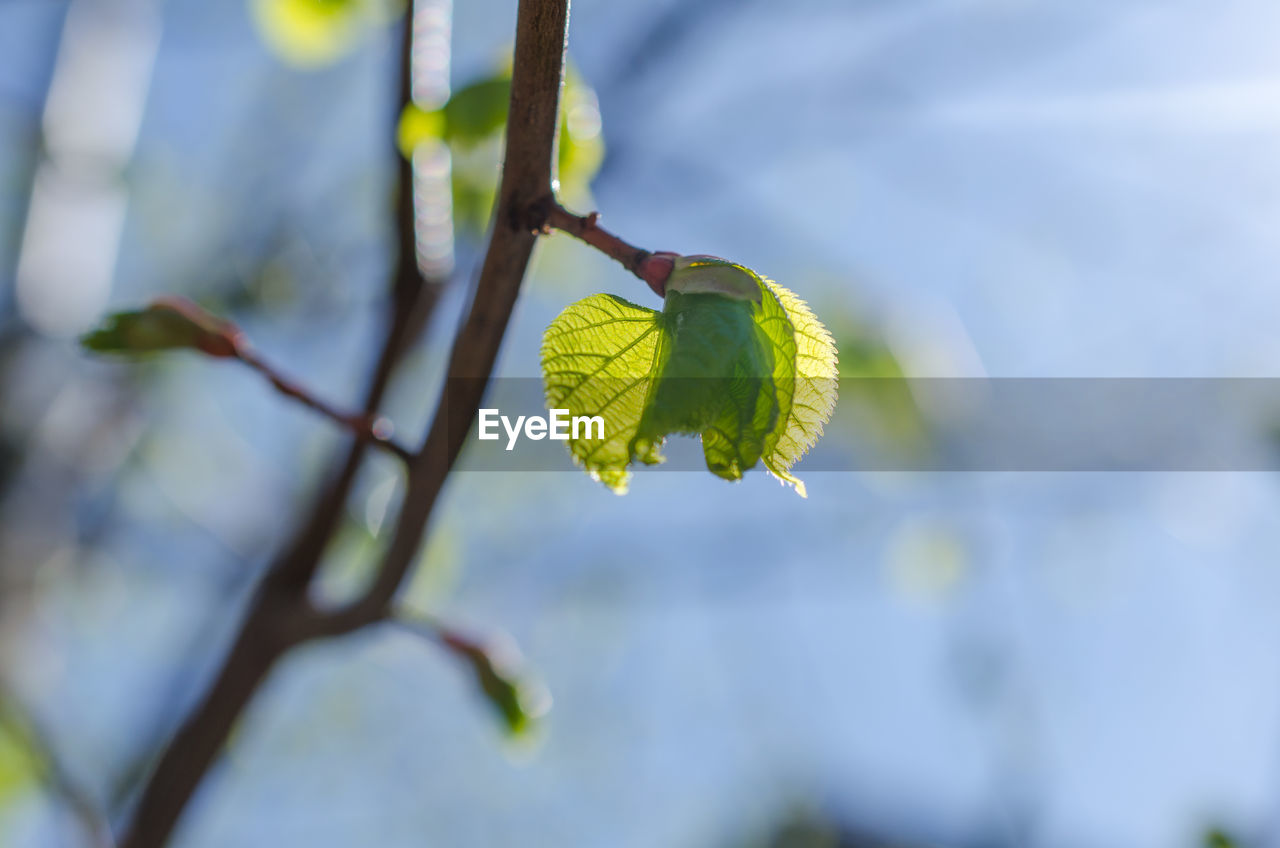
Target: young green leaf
pixel 814 388
pixel 168 323
pixel 598 357
pixel 732 358
pixel 519 702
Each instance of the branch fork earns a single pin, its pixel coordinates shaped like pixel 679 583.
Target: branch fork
pixel 281 615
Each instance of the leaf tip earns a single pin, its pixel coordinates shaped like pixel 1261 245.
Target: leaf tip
pixel 518 700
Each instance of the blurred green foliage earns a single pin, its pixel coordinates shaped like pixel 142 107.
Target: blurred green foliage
pixel 315 33
pixel 22 766
pixel 17 771
pixel 1216 838
pixel 472 124
pixel 877 406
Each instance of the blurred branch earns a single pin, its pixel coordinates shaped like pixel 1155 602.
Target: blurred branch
pixel 22 725
pixel 281 616
pixel 176 323
pixel 367 427
pixel 410 302
pixel 526 181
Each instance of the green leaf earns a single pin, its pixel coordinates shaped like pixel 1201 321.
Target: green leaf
pixel 518 701
pixel 168 323
pixel 732 358
pixel 814 388
pixel 597 359
pixel 310 33
pixel 472 123
pixel 478 110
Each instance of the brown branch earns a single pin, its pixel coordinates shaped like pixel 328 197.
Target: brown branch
pixel 281 617
pixel 263 638
pixel 293 568
pixel 278 616
pixel 526 183
pixel 367 427
pixel 219 338
pixel 653 268
pixel 412 298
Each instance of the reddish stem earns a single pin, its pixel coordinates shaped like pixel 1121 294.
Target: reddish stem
pixel 653 268
pixel 366 427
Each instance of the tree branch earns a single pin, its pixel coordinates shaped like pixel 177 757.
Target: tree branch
pixel 653 268
pixel 411 300
pixel 538 68
pixel 278 616
pixel 263 638
pixel 175 322
pixel 367 427
pixel 281 617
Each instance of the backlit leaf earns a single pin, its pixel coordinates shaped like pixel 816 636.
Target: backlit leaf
pixel 814 395
pixel 597 359
pixel 732 358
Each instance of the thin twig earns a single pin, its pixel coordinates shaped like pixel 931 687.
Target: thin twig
pixel 653 268
pixel 538 68
pixel 281 616
pixel 277 617
pixel 219 338
pixel 367 427
pixel 412 298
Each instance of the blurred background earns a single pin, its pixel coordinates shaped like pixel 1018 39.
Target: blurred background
pixel 962 188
